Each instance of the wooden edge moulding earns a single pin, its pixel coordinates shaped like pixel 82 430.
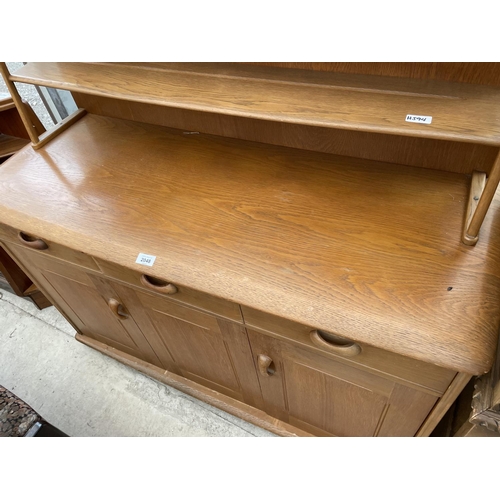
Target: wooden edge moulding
pixel 36 141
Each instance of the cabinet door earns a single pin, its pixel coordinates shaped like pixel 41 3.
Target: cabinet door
pixel 202 347
pixel 327 398
pixel 84 299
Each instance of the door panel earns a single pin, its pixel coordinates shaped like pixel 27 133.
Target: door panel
pixel 331 404
pixel 324 397
pixel 204 348
pixel 407 411
pixel 77 296
pixel 196 349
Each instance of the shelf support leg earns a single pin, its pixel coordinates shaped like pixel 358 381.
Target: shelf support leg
pixel 37 142
pixel 60 127
pixel 480 197
pixel 30 127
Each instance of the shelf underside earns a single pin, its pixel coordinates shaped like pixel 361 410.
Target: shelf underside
pixel 460 112
pixel 368 250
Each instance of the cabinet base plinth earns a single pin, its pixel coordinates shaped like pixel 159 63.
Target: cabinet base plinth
pixel 214 398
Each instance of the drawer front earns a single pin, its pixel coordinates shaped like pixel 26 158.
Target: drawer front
pixel 400 368
pixel 172 291
pixel 44 246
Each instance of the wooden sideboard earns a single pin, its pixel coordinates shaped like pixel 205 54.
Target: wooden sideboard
pixel 308 291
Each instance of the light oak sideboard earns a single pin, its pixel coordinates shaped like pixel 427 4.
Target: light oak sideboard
pixel 266 239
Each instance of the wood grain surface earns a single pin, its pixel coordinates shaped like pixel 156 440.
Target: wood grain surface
pixel 190 297
pixel 11 124
pixel 460 112
pixel 437 413
pixel 451 156
pixel 326 398
pixel 421 376
pixel 9 145
pixel 369 251
pixel 487 73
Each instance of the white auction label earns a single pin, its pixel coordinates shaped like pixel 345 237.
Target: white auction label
pixel 145 260
pixel 419 119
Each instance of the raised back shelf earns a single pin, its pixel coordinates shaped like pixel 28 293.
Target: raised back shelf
pixel 460 112
pixel 453 112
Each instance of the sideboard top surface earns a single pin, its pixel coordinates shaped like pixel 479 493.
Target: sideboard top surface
pixel 367 250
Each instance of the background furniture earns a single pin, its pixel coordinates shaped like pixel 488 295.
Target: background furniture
pixel 199 225
pixel 13 137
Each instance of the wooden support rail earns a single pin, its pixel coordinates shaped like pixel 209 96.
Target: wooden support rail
pixel 480 197
pixel 31 127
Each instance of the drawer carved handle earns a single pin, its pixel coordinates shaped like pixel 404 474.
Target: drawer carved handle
pixel 266 365
pixel 31 242
pixel 158 285
pixel 344 348
pixel 117 309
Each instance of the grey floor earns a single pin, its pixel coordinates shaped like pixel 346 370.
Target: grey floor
pixel 84 393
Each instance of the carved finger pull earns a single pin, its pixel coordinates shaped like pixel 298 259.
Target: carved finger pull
pixel 337 346
pixel 158 285
pixel 117 309
pixel 266 365
pixel 31 242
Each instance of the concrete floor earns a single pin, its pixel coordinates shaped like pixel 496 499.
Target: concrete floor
pixel 84 393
